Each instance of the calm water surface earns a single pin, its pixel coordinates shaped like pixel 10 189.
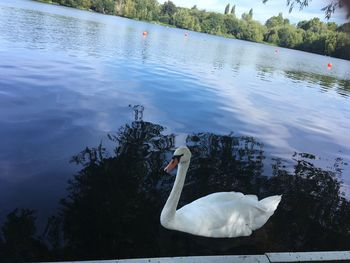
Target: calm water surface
pixel 72 79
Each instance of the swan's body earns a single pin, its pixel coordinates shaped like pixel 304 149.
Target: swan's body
pixel 223 214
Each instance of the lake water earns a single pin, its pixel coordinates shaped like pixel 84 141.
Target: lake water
pixel 259 119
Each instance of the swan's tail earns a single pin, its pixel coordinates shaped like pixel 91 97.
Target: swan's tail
pixel 270 203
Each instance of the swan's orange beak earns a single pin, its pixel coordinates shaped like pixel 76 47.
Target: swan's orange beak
pixel 173 163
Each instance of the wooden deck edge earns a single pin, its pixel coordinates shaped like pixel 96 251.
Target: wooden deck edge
pixel 335 256
pixel 319 257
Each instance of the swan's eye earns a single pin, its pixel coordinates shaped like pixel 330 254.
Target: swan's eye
pixel 177 157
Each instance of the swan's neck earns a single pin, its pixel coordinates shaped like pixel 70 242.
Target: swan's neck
pixel 168 212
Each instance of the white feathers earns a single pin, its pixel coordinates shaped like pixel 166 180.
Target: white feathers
pixel 224 214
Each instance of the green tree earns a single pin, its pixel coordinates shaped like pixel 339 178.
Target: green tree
pixel 252 30
pixel 332 26
pixel 148 10
pixel 212 23
pixel 315 25
pixel 330 39
pixel 233 10
pixel 168 8
pixel 129 8
pixel 196 18
pixel 275 21
pixel 251 13
pixel 344 28
pixel 248 16
pixel 308 41
pixel 231 25
pixel 289 36
pixel 118 7
pixel 271 36
pixel 103 6
pixel 342 49
pixel 183 19
pixel 227 9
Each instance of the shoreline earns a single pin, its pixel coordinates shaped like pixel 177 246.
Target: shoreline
pixel 227 36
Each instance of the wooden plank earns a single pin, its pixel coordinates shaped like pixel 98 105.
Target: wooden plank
pixel 324 256
pixel 309 256
pixel 199 259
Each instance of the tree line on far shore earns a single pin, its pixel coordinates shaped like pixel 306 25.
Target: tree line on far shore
pixel 312 36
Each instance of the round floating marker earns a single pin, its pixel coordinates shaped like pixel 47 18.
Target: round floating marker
pixel 329 65
pixel 145 33
pixel 186 34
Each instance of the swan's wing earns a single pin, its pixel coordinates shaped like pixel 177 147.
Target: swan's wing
pixel 223 197
pixel 202 215
pixel 216 198
pixel 222 214
pixel 225 214
pixel 252 197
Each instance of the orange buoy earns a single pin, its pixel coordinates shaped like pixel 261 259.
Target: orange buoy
pixel 329 65
pixel 145 33
pixel 186 34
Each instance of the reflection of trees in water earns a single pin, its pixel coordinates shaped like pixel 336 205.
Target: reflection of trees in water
pixel 20 242
pixel 114 202
pixel 224 163
pixel 314 215
pixel 113 206
pixel 326 82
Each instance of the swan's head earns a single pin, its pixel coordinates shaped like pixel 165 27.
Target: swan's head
pixel 181 155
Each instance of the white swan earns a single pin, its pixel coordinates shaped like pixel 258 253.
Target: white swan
pixel 224 214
